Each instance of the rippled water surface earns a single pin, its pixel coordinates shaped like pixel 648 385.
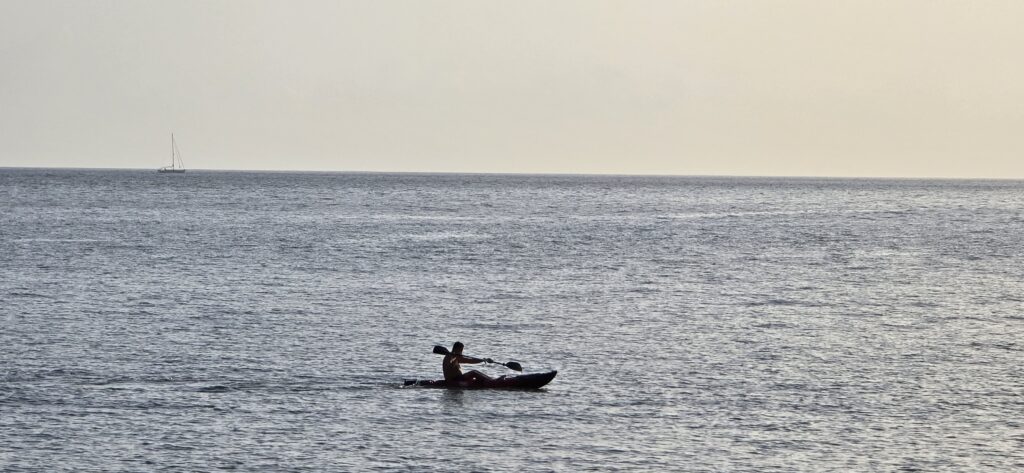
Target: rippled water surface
pixel 266 321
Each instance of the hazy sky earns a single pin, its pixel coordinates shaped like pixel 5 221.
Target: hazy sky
pixel 808 87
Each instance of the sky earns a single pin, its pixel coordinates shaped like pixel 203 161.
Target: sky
pixel 893 88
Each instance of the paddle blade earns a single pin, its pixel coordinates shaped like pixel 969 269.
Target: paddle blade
pixel 440 350
pixel 514 366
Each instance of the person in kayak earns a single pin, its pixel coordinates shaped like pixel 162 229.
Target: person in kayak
pixel 453 370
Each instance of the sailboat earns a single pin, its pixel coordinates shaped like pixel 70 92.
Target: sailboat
pixel 177 165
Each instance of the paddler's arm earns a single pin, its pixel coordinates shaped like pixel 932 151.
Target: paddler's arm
pixel 469 360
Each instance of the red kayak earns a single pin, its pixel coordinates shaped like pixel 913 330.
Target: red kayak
pixel 523 381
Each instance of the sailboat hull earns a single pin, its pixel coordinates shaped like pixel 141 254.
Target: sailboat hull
pixel 176 171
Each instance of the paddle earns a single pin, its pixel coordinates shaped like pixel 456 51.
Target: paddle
pixel 440 350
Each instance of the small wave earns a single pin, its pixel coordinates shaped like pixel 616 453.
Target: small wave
pixel 506 326
pixel 772 325
pixel 774 302
pixel 1007 346
pixel 70 372
pixel 16 375
pixel 108 381
pixel 508 296
pixel 58 240
pixel 31 295
pixel 419 217
pixel 765 213
pixel 214 389
pixel 168 380
pixel 444 236
pixel 172 447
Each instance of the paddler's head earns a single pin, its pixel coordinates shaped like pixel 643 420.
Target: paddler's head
pixel 457 348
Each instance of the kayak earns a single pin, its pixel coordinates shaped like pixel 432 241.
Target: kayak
pixel 523 381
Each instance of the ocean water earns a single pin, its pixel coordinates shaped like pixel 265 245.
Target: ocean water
pixel 265 322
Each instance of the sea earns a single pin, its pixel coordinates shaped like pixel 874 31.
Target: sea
pixel 267 321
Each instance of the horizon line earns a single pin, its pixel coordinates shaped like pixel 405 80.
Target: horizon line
pixel 556 173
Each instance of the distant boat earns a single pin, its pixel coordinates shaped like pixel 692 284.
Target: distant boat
pixel 177 165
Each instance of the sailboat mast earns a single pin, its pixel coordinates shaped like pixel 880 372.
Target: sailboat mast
pixel 177 165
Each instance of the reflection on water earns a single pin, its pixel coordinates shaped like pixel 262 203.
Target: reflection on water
pixel 453 398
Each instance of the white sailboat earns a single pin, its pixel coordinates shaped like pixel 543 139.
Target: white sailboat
pixel 177 165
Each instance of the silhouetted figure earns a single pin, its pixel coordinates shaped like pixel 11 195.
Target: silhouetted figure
pixel 453 370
